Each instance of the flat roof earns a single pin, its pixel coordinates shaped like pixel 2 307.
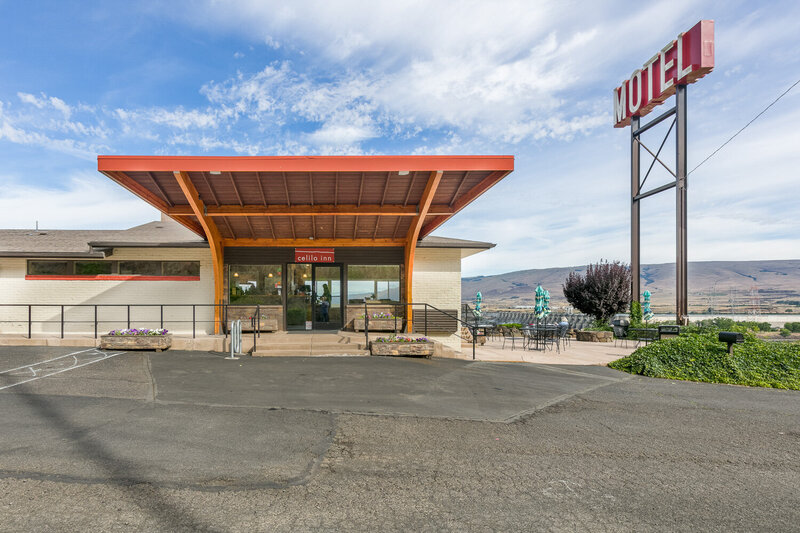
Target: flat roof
pixel 322 198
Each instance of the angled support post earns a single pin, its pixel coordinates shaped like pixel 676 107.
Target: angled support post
pixel 413 236
pixel 212 236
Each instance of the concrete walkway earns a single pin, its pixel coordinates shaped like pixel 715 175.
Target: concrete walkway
pixel 575 353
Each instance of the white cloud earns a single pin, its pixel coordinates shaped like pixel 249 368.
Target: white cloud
pixel 85 200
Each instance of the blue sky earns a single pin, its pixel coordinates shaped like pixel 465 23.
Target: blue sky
pixel 532 79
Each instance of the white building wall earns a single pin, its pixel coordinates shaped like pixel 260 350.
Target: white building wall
pixel 15 289
pixel 436 280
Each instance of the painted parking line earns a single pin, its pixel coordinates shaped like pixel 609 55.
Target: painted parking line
pixel 46 361
pixel 75 365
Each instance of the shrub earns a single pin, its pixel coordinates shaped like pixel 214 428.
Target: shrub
pixel 599 325
pixel 785 332
pixel 512 325
pixel 794 327
pixel 700 357
pixel 636 314
pixel 604 291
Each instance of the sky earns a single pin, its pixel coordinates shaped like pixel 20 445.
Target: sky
pixel 529 79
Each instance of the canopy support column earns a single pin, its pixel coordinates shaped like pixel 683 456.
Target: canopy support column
pixel 212 236
pixel 413 236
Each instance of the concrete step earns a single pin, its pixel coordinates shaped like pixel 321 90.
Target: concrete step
pixel 320 351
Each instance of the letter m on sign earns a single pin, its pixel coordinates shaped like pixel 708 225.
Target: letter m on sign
pixel 620 107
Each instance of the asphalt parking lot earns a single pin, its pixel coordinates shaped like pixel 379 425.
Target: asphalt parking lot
pixel 189 441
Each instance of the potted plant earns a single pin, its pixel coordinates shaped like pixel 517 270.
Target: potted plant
pixel 378 321
pixel 402 346
pixel 136 339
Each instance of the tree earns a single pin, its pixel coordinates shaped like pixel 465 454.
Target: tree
pixel 604 291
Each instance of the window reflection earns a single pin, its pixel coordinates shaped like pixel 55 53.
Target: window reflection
pixel 379 283
pixel 255 284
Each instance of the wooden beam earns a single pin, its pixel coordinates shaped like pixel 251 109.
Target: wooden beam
pixel 458 189
pixel 413 236
pixel 213 237
pixel 311 210
pixel 145 194
pixel 261 189
pixel 459 203
pixel 291 243
pixel 159 188
pixel 286 188
pixel 235 188
pixel 361 189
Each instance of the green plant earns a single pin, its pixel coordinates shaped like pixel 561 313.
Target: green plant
pixel 701 357
pixel 512 325
pixel 599 325
pixel 636 314
pixel 794 327
pixel 604 291
pixel 785 332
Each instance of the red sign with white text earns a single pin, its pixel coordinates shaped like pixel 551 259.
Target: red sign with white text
pixel 313 255
pixel 684 60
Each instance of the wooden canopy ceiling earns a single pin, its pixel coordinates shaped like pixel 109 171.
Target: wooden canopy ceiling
pixel 371 200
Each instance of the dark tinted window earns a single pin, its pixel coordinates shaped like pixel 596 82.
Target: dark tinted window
pixel 53 268
pixel 86 268
pixel 182 268
pixel 140 268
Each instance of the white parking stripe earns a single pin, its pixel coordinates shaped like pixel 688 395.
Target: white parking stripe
pixel 47 361
pixel 105 356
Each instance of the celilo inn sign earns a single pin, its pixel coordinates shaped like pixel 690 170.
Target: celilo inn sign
pixel 681 62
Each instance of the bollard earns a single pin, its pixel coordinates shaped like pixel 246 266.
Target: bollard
pixel 236 339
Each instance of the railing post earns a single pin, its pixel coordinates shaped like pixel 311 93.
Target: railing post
pixel 474 336
pixel 426 320
pixel 62 321
pixel 29 321
pixel 129 315
pixel 95 321
pixel 258 319
pixel 193 320
pixel 366 324
pixel 161 308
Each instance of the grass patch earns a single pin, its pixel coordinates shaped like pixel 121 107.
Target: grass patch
pixel 701 357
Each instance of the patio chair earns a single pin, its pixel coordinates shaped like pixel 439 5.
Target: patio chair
pixel 620 335
pixel 511 334
pixel 549 337
pixel 563 338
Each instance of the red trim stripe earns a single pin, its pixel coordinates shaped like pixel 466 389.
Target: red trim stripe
pixel 111 277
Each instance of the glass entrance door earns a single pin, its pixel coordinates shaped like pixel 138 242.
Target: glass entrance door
pixel 298 296
pixel 327 296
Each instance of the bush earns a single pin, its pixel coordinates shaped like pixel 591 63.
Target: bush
pixel 794 327
pixel 604 291
pixel 636 315
pixel 599 325
pixel 728 324
pixel 700 357
pixel 512 325
pixel 785 332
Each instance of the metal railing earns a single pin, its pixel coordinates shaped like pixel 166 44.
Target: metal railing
pixel 98 314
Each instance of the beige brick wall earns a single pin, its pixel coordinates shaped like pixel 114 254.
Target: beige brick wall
pixel 15 289
pixel 437 281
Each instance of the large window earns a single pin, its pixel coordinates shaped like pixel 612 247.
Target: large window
pixel 113 268
pixel 379 283
pixel 255 284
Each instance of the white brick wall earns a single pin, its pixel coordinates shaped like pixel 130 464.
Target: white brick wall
pixel 437 281
pixel 15 289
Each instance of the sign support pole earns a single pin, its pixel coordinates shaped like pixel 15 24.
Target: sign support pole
pixel 635 233
pixel 681 260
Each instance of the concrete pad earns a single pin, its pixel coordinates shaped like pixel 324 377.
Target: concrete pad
pixel 575 353
pixel 13 340
pixel 440 388
pixel 121 441
pixel 74 341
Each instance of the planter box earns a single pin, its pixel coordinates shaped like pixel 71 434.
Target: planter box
pixel 408 349
pixel 266 324
pixel 594 336
pixel 378 324
pixel 136 342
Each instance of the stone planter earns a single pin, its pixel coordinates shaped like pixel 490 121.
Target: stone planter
pixel 136 342
pixel 378 324
pixel 594 336
pixel 407 349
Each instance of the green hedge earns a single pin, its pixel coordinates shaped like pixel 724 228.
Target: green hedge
pixel 794 327
pixel 701 357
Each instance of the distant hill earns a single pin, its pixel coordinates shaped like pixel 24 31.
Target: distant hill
pixel 741 286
